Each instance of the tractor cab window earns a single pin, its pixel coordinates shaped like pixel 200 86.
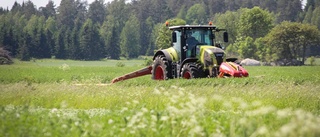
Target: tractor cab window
pixel 177 44
pixel 196 37
pixel 203 36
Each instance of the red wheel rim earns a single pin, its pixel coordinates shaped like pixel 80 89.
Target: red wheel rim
pixel 187 75
pixel 159 73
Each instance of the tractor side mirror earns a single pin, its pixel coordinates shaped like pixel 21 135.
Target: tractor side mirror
pixel 174 37
pixel 225 37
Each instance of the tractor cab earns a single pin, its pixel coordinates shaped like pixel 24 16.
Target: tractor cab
pixel 188 39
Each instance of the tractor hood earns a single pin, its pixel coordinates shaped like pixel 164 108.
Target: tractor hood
pixel 212 56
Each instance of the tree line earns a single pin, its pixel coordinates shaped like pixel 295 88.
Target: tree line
pixel 81 31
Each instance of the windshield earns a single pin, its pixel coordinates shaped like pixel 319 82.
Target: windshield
pixel 201 35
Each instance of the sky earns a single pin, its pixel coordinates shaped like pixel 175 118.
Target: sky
pixel 42 3
pixel 38 3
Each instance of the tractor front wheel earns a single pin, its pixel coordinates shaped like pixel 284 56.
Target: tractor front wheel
pixel 161 69
pixel 191 70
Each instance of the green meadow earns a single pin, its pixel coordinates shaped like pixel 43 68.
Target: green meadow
pixel 75 98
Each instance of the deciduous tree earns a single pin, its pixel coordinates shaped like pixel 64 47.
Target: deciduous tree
pixel 289 40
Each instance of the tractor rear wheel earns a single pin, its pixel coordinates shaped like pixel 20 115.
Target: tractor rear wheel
pixel 161 69
pixel 191 70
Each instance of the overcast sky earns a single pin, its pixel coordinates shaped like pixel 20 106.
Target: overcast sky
pixel 42 3
pixel 38 3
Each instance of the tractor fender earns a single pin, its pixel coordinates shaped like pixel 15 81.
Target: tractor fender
pixel 170 54
pixel 163 52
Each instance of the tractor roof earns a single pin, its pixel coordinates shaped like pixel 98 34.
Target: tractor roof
pixel 193 27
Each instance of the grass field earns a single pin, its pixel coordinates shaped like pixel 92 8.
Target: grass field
pixel 74 98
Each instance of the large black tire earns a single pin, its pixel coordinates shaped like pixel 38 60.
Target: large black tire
pixel 191 70
pixel 161 69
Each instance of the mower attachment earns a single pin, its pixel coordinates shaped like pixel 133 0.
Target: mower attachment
pixel 232 69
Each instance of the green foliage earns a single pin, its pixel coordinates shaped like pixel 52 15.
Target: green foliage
pixel 182 13
pixel 97 11
pixel 232 50
pixel 90 44
pixel 261 49
pixel 110 37
pixel 129 39
pixel 150 38
pixel 228 20
pixel 247 48
pixel 196 14
pixel 163 39
pixel 49 10
pixel 120 64
pixel 54 30
pixel 5 57
pixel 315 20
pixel 312 60
pixel 67 13
pixel 254 23
pixel 289 40
pixel 289 10
pixel 147 61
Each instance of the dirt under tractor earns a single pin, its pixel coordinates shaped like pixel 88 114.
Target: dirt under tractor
pixel 195 53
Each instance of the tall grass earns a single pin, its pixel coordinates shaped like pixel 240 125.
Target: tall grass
pixel 159 112
pixel 67 100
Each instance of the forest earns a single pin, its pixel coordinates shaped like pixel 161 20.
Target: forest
pixel 266 30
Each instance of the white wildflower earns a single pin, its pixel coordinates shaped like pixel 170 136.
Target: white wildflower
pixel 17 115
pixel 181 93
pixel 217 97
pixel 157 92
pixel 76 123
pixel 64 67
pixel 139 114
pixel 154 118
pixel 64 104
pixel 110 121
pixel 262 130
pixel 135 101
pixel 172 109
pixel 284 113
pixel 123 109
pixel 48 134
pixel 174 98
pixel 164 118
pixel 54 110
pixel 152 111
pixel 142 126
pixel 174 87
pixel 256 103
pixel 64 126
pixel 227 105
pixel 144 110
pixel 243 121
pixel 166 94
pixel 261 111
pixel 285 130
pixel 162 88
pixel 197 130
pixel 243 105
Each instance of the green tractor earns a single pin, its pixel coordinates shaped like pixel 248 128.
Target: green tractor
pixel 195 53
